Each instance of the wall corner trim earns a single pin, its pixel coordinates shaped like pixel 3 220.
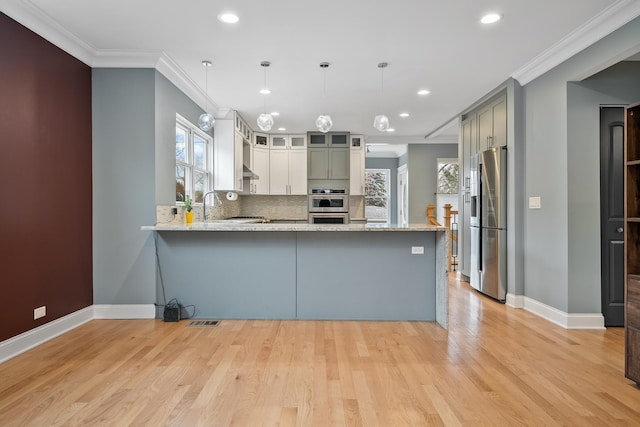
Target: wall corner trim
pixel 34 337
pixel 563 319
pixel 124 311
pixel 26 341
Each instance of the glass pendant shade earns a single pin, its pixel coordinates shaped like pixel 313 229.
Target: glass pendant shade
pixel 206 121
pixel 324 123
pixel 265 122
pixel 381 122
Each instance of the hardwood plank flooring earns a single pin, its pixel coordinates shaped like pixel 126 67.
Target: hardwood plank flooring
pixel 495 366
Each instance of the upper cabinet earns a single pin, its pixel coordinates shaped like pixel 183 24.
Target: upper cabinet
pixel 492 124
pixel 328 155
pixel 287 142
pixel 356 165
pixel 259 164
pixel 228 154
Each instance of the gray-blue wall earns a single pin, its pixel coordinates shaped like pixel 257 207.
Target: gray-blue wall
pixel 422 167
pixel 134 112
pixel 561 240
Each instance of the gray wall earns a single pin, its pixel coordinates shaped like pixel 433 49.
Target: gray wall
pixel 123 185
pixel 422 166
pixel 390 163
pixel 169 101
pixel 561 244
pixel 134 113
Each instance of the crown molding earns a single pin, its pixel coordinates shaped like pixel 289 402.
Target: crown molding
pixel 32 17
pixel 601 25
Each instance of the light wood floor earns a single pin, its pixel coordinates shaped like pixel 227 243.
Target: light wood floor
pixel 495 366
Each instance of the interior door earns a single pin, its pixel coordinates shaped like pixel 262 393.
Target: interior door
pixel 612 214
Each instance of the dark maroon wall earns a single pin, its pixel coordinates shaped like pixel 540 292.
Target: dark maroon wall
pixel 45 180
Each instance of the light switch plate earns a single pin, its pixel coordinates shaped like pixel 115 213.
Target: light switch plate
pixel 534 202
pixel 417 250
pixel 39 312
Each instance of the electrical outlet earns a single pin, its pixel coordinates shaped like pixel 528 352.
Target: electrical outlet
pixel 39 312
pixel 417 250
pixel 534 202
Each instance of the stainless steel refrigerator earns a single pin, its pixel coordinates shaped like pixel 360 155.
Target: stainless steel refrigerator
pixel 488 261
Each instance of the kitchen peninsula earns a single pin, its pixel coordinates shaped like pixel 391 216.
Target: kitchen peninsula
pixel 305 271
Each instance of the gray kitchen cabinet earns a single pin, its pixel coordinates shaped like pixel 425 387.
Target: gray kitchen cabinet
pixel 468 147
pixel 492 124
pixel 328 163
pixel 328 155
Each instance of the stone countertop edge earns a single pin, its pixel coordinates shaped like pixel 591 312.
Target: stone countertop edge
pixel 199 226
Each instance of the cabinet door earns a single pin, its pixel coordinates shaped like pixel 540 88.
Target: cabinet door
pixel 238 160
pixel 485 128
pixel 317 139
pixel 318 162
pixel 499 116
pixel 356 171
pixel 339 163
pixel 261 168
pixel 298 172
pixel 278 142
pixel 339 139
pixel 278 171
pixel 298 142
pixel 357 141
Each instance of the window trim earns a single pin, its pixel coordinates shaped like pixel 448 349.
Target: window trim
pixel 190 167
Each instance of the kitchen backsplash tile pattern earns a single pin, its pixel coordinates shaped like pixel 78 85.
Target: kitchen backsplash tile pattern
pixel 270 207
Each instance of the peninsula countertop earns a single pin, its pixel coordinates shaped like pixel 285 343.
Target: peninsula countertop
pixel 251 226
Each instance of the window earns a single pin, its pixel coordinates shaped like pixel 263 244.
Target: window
pixel 447 176
pixel 193 152
pixel 376 199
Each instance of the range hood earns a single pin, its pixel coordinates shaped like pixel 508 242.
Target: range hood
pixel 248 173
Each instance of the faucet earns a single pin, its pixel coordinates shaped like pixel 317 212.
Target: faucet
pixel 204 203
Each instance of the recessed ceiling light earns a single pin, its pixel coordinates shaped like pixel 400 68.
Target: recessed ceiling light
pixel 265 91
pixel 228 18
pixel 391 130
pixel 404 114
pixel 275 113
pixel 490 18
pixel 423 92
pixel 281 129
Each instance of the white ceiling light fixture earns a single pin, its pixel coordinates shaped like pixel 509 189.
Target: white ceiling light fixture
pixel 228 18
pixel 324 122
pixel 423 92
pixel 206 120
pixel 491 18
pixel 275 113
pixel 265 120
pixel 381 122
pixel 404 115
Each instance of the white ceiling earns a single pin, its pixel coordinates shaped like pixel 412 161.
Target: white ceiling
pixel 432 44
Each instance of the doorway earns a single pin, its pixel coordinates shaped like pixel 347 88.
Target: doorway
pixel 612 214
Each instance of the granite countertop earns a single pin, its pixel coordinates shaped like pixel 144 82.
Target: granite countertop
pixel 247 226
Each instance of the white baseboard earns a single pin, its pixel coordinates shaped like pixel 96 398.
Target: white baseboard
pixel 566 320
pixel 34 337
pixel 515 301
pixel 124 311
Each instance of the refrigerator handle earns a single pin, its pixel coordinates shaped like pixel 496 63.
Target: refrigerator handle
pixel 480 208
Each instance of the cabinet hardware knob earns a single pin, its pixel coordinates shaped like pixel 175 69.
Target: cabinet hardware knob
pixel 619 229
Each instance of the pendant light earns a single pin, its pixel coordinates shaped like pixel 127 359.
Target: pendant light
pixel 265 120
pixel 324 122
pixel 381 122
pixel 206 120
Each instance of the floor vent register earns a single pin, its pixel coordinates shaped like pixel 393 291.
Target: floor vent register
pixel 203 323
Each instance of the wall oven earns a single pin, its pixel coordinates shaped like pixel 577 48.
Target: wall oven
pixel 328 206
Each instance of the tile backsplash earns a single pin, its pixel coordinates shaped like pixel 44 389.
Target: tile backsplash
pixel 270 207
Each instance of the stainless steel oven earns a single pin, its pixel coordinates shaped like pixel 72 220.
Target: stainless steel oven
pixel 329 218
pixel 328 206
pixel 328 200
